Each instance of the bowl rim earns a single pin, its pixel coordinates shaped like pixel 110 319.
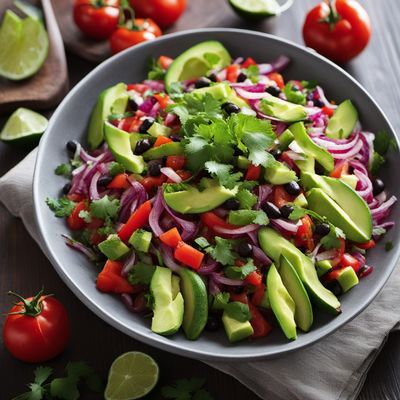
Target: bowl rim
pixel 174 346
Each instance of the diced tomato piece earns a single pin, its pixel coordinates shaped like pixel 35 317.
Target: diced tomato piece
pixel 96 237
pixel 162 140
pixel 120 181
pixel 138 87
pixel 176 162
pixel 340 251
pixel 152 182
pixel 304 234
pixel 171 238
pixel 232 72
pixel 110 280
pixel 260 325
pixel 327 111
pixel 165 61
pixel 277 78
pixel 258 295
pixel 253 173
pixel 74 221
pixel 281 196
pixel 249 61
pixel 139 218
pixel 348 260
pixel 240 297
pixel 126 123
pixel 368 245
pixel 210 220
pixel 75 197
pixel 163 100
pixel 188 255
pixel 284 157
pixel 254 278
pixel 340 169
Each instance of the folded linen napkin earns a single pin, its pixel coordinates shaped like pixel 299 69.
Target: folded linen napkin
pixel 333 369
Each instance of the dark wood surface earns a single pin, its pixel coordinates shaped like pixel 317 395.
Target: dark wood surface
pixel 25 269
pixel 46 88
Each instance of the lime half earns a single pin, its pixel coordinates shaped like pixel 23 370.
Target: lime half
pixel 132 375
pixel 256 9
pixel 23 46
pixel 24 126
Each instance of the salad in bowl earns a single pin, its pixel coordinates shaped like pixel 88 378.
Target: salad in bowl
pixel 217 194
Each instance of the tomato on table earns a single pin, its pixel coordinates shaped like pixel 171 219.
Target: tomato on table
pixel 36 329
pixel 97 19
pixel 74 221
pixel 339 29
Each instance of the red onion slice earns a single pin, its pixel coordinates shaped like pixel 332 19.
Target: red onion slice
pixel 261 256
pixel 171 174
pixel 237 231
pixel 74 244
pixel 93 192
pixel 168 258
pixel 226 281
pixel 286 226
pixel 155 214
pixel 326 255
pixel 128 264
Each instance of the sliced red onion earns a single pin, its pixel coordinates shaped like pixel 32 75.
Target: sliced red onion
pixel 251 95
pixel 78 170
pixel 326 255
pixel 93 192
pixel 323 98
pixel 236 231
pixel 155 214
pixel 315 251
pixel 253 237
pixel 386 226
pixel 359 257
pixel 381 198
pixel 147 105
pixel 213 287
pixel 128 264
pixel 275 66
pixel 263 192
pixel 206 269
pixel 157 86
pixel 221 212
pixel 74 244
pixel 171 174
pixel 154 111
pixel 226 281
pixel 349 154
pixel 132 198
pixel 286 226
pixel 280 127
pixel 135 305
pixel 168 258
pixel 170 119
pixel 338 147
pixel 383 210
pixel 261 256
pixel 258 88
pixel 364 186
pixel 167 222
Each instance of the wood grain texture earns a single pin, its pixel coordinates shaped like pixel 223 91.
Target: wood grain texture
pixel 48 86
pixel 24 268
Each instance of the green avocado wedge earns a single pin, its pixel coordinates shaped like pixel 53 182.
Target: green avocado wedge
pixel 274 244
pixel 236 330
pixel 303 314
pixel 282 109
pixel 282 303
pixel 196 303
pixel 222 92
pixel 111 100
pixel 120 145
pixel 197 61
pixel 357 212
pixel 168 149
pixel 343 121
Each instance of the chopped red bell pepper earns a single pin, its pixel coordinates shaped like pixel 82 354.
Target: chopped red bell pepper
pixel 277 78
pixel 260 325
pixel 176 162
pixel 110 280
pixel 171 238
pixel 74 221
pixel 367 245
pixel 163 100
pixel 188 255
pixel 348 260
pixel 138 87
pixel 152 182
pixel 304 234
pixel 161 140
pixel 120 181
pixel 165 61
pixel 340 169
pixel 253 173
pixel 210 220
pixel 232 72
pixel 258 295
pixel 281 196
pixel 327 111
pixel 254 278
pixel 139 218
pixel 249 61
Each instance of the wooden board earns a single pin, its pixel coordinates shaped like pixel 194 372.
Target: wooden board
pixel 47 87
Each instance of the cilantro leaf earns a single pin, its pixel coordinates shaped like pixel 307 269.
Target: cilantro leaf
pixel 234 272
pixel 389 246
pixel 156 72
pixel 105 208
pixel 221 252
pixel 64 388
pixel 382 142
pixel 245 217
pixel 221 299
pixel 238 311
pixel 246 199
pixel 202 242
pixel 62 207
pixel 42 374
pixel 63 169
pixel 186 389
pixel 331 240
pixel 37 392
pixel 141 273
pixel 252 73
pixel 85 215
pixel 202 394
pixel 223 173
pixel 116 168
pixel 297 213
pixel 376 162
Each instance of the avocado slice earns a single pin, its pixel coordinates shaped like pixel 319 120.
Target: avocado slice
pixel 168 310
pixel 323 267
pixel 310 148
pixel 350 179
pixel 347 279
pixel 306 165
pixel 282 303
pixel 141 240
pixel 279 174
pixel 282 109
pixel 119 143
pixel 195 62
pixel 303 314
pixel 168 149
pixel 113 247
pixel 273 244
pixel 113 99
pixel 196 303
pixel 343 121
pixel 236 330
pixel 285 139
pixel 223 92
pixel 300 201
pixel 189 200
pixel 356 210
pixel 157 130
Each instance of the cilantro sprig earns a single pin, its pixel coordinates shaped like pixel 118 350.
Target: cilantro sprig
pixel 62 207
pixel 186 389
pixel 222 250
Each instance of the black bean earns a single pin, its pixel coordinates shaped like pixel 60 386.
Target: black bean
pixel 319 169
pixel 154 167
pixel 213 77
pixel 133 106
pixel 275 91
pixel 245 249
pixel 213 323
pixel 334 287
pixel 142 146
pixel 286 210
pixel 322 229
pixel 241 77
pixel 71 146
pixel 293 188
pixel 231 204
pixel 146 124
pixel 66 188
pixel 237 151
pixel 175 137
pixel 164 160
pixel 231 108
pixel 378 186
pixel 202 82
pixel 271 210
pixel 318 103
pixel 104 181
pixel 275 153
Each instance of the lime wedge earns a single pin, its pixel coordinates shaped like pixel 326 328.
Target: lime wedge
pixel 132 375
pixel 23 46
pixel 256 9
pixel 24 126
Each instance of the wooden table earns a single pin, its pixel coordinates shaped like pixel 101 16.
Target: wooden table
pixel 25 269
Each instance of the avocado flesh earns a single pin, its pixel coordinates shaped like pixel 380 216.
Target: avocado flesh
pixel 168 149
pixel 285 139
pixel 193 62
pixel 192 201
pixel 282 303
pixel 113 247
pixel 303 314
pixel 157 130
pixel 347 279
pixel 236 330
pixel 113 99
pixel 168 310
pixel 350 179
pixel 282 109
pixel 310 148
pixel 120 145
pixel 196 303
pixel 356 210
pixel 223 92
pixel 343 121
pixel 273 244
pixel 306 165
pixel 279 174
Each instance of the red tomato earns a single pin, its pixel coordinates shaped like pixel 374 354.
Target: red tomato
pixel 120 181
pixel 254 278
pixel 110 280
pixel 163 12
pixel 281 196
pixel 163 100
pixel 340 251
pixel 368 245
pixel 304 235
pixel 249 61
pixel 96 21
pixel 277 78
pixel 258 294
pixel 39 329
pixel 253 173
pixel 123 37
pixel 339 32
pixel 150 182
pixel 340 169
pixel 165 61
pixel 74 221
pixel 161 140
pixel 260 325
pixel 327 111
pixel 176 162
pixel 183 174
pixel 171 238
pixel 232 72
pixel 349 261
pixel 210 220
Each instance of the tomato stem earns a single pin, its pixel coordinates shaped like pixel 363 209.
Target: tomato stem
pixel 32 307
pixel 333 16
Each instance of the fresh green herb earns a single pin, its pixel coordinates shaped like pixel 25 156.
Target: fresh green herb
pixel 63 169
pixel 376 163
pixel 85 215
pixel 246 217
pixel 332 239
pixel 220 301
pixel 234 272
pixel 156 72
pixel 141 274
pixel 116 169
pixel 223 173
pixel 202 242
pixel 105 208
pixel 294 96
pixel 186 389
pixel 383 142
pixel 175 90
pixel 309 84
pixel 221 252
pixel 238 311
pixel 176 187
pixel 62 207
pixel 252 73
pixel 246 199
pixel 389 246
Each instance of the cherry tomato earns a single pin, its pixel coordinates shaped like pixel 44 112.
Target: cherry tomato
pixel 165 62
pixel 176 162
pixel 74 221
pixel 163 12
pixel 339 30
pixel 143 30
pixel 304 235
pixel 253 173
pixel 36 329
pixel 150 182
pixel 97 19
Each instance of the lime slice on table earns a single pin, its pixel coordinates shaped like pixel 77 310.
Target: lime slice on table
pixel 256 9
pixel 132 375
pixel 23 126
pixel 23 46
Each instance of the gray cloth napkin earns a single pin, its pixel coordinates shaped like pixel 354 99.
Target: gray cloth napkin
pixel 334 368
